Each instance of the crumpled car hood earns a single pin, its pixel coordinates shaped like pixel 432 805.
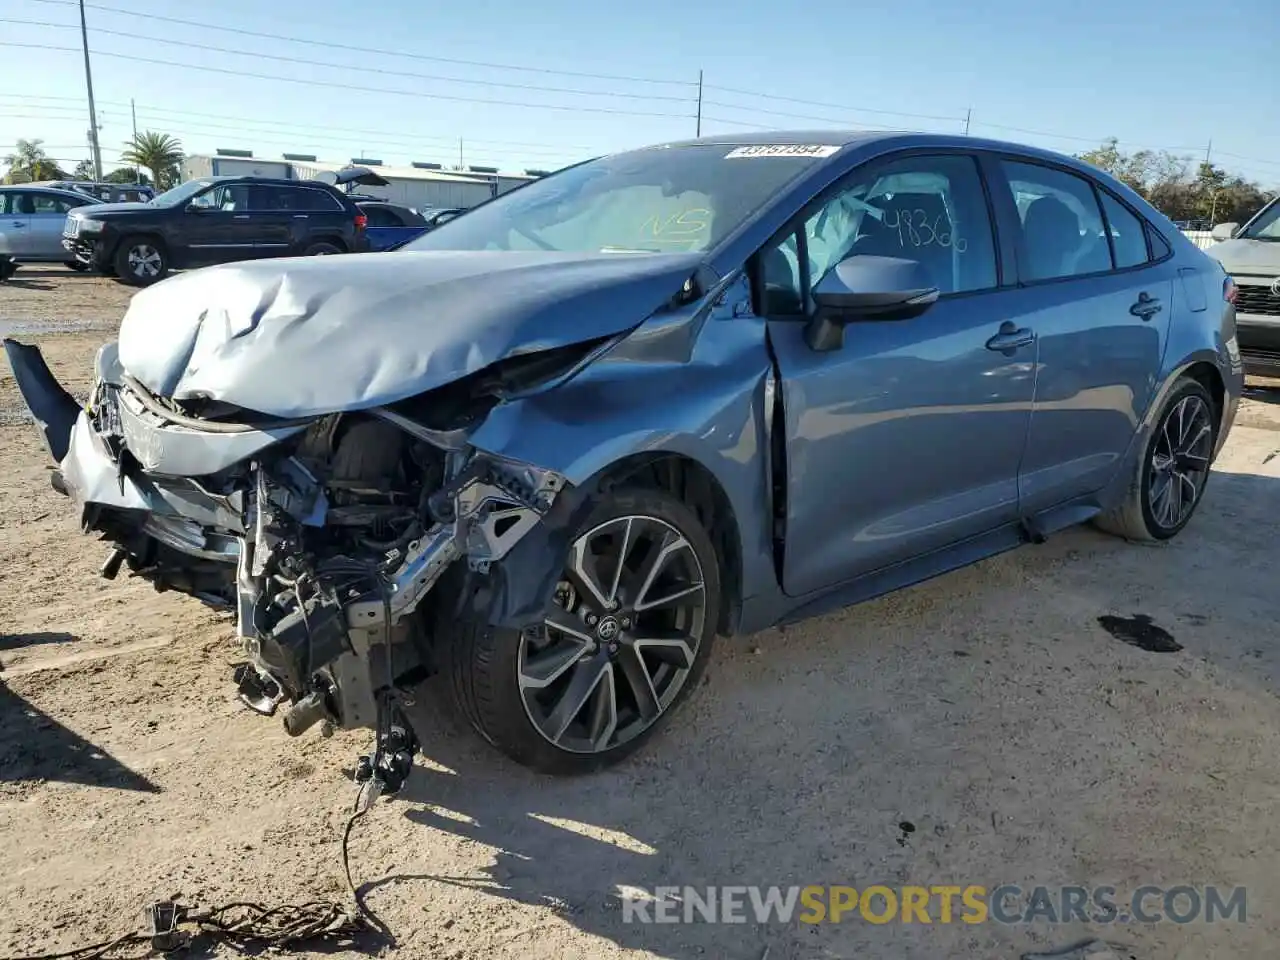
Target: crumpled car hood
pixel 1247 256
pixel 308 336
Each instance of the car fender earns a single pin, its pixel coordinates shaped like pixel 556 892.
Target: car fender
pixel 696 382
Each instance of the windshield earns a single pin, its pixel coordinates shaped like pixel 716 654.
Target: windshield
pixel 660 200
pixel 1266 225
pixel 181 193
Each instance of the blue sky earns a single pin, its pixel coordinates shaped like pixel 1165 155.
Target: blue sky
pixel 1155 73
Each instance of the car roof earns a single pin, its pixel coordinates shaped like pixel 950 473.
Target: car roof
pixel 273 181
pixel 69 194
pixel 853 139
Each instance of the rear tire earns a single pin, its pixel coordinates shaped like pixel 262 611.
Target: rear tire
pixel 518 688
pixel 1173 470
pixel 321 249
pixel 141 261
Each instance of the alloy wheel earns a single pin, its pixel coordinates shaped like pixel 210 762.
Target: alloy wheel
pixel 1180 459
pixel 620 639
pixel 144 261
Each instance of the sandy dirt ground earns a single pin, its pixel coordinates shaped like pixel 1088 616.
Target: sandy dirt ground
pixel 988 709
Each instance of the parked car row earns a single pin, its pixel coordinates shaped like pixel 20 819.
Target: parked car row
pixel 201 222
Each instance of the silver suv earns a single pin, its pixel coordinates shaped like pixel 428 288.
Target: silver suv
pixel 1251 254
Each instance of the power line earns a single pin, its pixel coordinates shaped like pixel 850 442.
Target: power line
pixel 1079 139
pixel 346 86
pixel 827 106
pixel 373 50
pixel 163 112
pixel 362 68
pixel 180 116
pixel 797 116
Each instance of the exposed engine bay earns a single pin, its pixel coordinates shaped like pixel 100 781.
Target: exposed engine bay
pixel 324 544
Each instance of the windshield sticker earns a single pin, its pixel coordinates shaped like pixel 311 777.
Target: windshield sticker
pixel 817 151
pixel 678 226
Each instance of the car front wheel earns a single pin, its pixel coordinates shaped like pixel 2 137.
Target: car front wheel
pixel 141 261
pixel 624 641
pixel 1171 475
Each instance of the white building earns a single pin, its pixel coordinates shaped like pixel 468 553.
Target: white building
pixel 422 185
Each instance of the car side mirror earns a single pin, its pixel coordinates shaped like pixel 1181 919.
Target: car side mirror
pixel 198 208
pixel 866 288
pixel 1224 231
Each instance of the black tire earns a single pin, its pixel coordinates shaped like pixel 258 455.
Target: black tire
pixel 483 665
pixel 141 261
pixel 322 248
pixel 1144 515
pixel 75 265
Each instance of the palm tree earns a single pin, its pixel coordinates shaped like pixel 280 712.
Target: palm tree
pixel 159 153
pixel 30 162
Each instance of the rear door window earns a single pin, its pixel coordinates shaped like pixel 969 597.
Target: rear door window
pixel 1062 232
pixel 381 217
pixel 274 199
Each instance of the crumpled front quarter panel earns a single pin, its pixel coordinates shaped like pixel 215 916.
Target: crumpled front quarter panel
pixel 695 382
pixel 311 336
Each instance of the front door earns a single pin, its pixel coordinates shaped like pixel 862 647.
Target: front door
pixel 1099 302
pixel 908 438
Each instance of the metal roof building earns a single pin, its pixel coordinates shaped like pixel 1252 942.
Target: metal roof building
pixel 422 185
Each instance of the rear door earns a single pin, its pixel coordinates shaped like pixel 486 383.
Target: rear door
pixel 274 208
pixel 908 437
pixel 1099 304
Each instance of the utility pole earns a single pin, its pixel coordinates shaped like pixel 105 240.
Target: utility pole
pixel 1213 209
pixel 137 172
pixel 459 153
pixel 698 129
pixel 93 114
pixel 968 115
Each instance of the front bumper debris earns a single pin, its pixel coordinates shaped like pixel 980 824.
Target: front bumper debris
pixel 232 516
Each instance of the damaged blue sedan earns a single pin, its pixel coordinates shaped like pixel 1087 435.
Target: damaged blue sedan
pixel 554 448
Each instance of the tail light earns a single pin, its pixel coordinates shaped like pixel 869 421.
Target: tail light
pixel 361 221
pixel 1229 290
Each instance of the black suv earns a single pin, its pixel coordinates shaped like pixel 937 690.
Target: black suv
pixel 214 220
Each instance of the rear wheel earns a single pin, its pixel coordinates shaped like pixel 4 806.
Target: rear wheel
pixel 622 644
pixel 1173 470
pixel 141 261
pixel 321 249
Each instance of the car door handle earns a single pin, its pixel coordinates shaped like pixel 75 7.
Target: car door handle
pixel 1146 307
pixel 301 216
pixel 20 224
pixel 1011 337
pixel 240 216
